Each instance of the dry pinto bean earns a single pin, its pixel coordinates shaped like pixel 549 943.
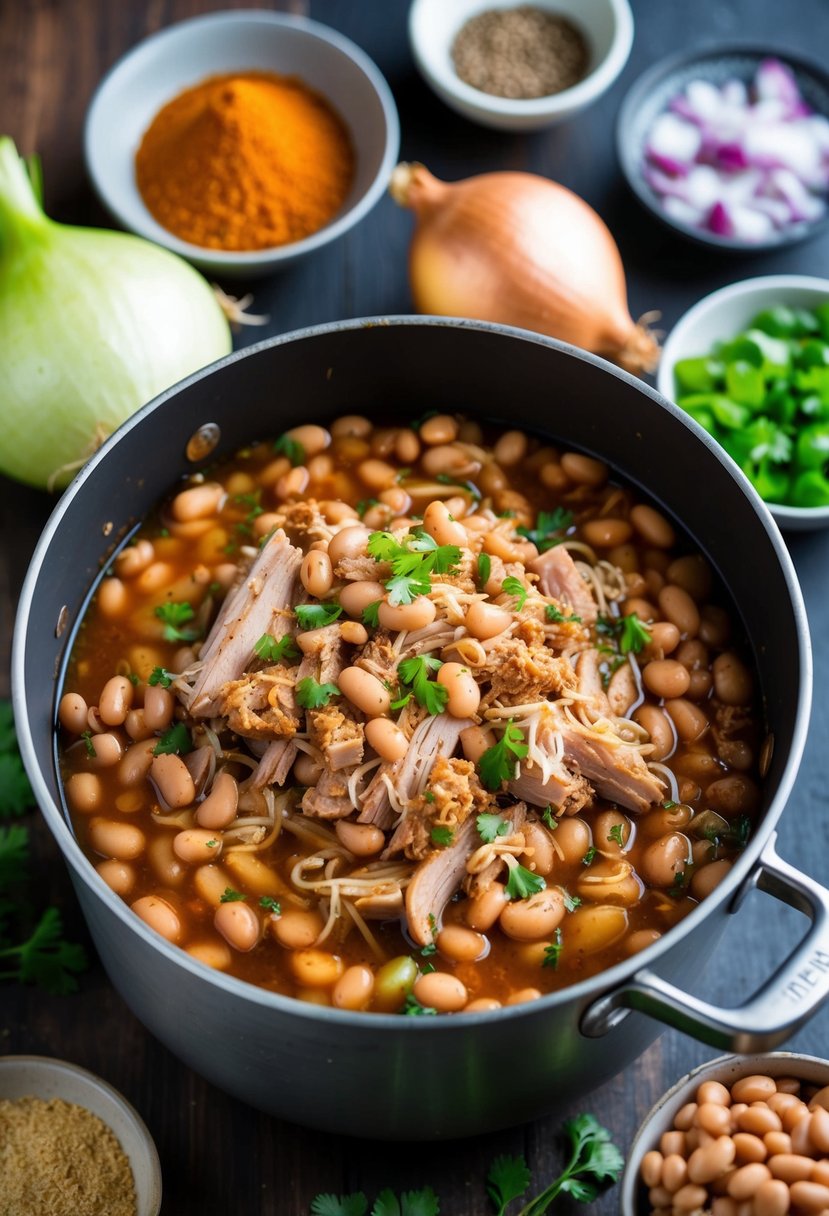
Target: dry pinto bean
pixel 584 470
pixel 199 502
pixel 110 838
pixel 744 1182
pixel 711 1160
pixel 464 692
pixel 386 738
pixel 159 915
pixel 529 920
pixel 361 839
pixel 416 615
pixel 652 526
pixel 678 607
pixel 771 1198
pixel 659 727
pixel 664 859
pixel 749 1148
pixel 297 929
pixel 218 810
pixel 158 707
pixel 85 792
pixel 486 621
pixel 115 700
pixel 238 924
pixel 605 533
pixel 172 780
pixel 72 713
pixel 356 596
pixel 316 574
pixel 651 1168
pixel 441 991
pixel 733 684
pixel 136 762
pixel 482 911
pixel 592 928
pixel 665 678
pixel 354 988
pixel 197 846
pixel 316 968
pixel 461 945
pixel 441 527
pixel 441 428
pixel 118 875
pixel 365 691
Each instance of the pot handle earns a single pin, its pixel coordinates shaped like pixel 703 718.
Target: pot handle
pixel 782 1004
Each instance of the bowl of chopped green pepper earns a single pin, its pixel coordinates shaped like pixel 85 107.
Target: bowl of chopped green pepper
pixel 750 363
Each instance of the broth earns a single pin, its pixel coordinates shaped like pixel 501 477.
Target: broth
pixel 523 747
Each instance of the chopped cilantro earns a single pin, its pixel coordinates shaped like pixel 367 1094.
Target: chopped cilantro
pixel 413 560
pixel 412 1008
pixel 557 616
pixel 552 953
pixel 428 693
pixel 291 448
pixel 272 651
pixel 441 836
pixel 614 836
pixel 133 679
pixel 669 804
pixel 211 844
pixel 402 474
pixel 310 694
pixel 174 742
pixel 88 744
pixel 634 635
pixel 370 615
pixel 175 615
pixel 507 1179
pixel 513 586
pixel 589 856
pixel 571 902
pixel 317 616
pixel 428 796
pixel 498 762
pixel 484 569
pixel 550 819
pixel 160 675
pixel 229 896
pixel 429 949
pixel 549 529
pixel 270 905
pixel 522 883
pixel 491 826
pixel 364 504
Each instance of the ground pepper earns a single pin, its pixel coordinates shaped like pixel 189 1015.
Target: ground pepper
pixel 520 52
pixel 243 162
pixel 58 1159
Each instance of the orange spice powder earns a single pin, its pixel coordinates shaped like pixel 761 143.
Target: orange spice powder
pixel 244 162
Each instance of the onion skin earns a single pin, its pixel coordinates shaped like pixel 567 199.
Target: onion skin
pixel 518 249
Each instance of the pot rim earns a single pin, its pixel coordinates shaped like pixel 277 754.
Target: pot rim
pixel 583 991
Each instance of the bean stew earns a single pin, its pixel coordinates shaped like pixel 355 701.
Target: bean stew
pixel 415 719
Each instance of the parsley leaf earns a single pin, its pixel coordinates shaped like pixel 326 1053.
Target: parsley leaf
pixel 571 902
pixel 498 762
pixel 272 651
pixel 522 883
pixel 339 1205
pixel 633 635
pixel 552 952
pixel 614 836
pixel 484 569
pixel 160 675
pixel 411 1203
pixel 404 588
pixel 491 826
pixel 549 529
pixel 175 615
pixel 310 694
pixel 507 1179
pixel 594 1161
pixel 370 615
pixel 555 614
pixel 174 742
pixel 549 818
pixel 88 744
pixel 428 693
pixel 45 958
pixel 291 448
pixel 15 792
pixel 412 1008
pixel 317 616
pixel 412 561
pixel 441 836
pixel 270 905
pixel 513 586
pixel 229 896
pixel 589 856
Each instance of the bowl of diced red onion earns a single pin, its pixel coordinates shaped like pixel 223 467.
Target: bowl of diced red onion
pixel 730 146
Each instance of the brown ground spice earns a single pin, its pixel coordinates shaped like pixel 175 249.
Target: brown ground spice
pixel 57 1159
pixel 520 52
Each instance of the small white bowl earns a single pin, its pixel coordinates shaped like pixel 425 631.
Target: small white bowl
pixel 723 315
pixel 166 64
pixel 45 1078
pixel 433 24
pixel 726 1070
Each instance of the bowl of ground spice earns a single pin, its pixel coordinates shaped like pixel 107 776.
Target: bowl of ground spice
pixel 70 1145
pixel 519 66
pixel 242 141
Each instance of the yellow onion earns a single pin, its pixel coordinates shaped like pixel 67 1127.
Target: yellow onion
pixel 520 250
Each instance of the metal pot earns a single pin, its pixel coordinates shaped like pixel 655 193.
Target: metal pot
pixel 417 1078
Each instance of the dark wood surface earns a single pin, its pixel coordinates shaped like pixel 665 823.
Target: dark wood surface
pixel 218 1156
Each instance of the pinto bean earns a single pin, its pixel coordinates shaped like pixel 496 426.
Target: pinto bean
pixel 122 841
pixel 486 621
pixel 441 428
pixel 158 707
pixel 354 988
pixel 199 502
pixel 482 911
pixel 72 713
pixel 652 526
pixel 84 792
pixel 386 738
pixel 442 529
pixel 441 991
pixel 464 692
pixel 356 596
pixel 365 691
pixel 197 846
pixel 532 919
pixel 361 839
pixel 173 781
pixel 159 915
pixel 350 541
pixel 416 615
pixel 218 810
pixel 238 924
pixel 316 574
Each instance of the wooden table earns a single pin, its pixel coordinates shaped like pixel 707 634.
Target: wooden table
pixel 218 1156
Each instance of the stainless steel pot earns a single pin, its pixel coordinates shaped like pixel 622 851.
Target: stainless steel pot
pixel 417 1078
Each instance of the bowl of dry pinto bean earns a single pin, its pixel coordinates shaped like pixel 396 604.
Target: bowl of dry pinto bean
pixel 738 1136
pixel 242 141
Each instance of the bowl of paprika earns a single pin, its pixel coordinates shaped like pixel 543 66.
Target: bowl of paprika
pixel 242 141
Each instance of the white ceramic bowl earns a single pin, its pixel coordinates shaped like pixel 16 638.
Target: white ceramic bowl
pixel 166 64
pixel 433 24
pixel 45 1078
pixel 721 316
pixel 726 1070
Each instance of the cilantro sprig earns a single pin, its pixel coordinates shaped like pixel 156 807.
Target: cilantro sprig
pixel 549 530
pixel 175 615
pixel 522 883
pixel 441 835
pixel 508 1179
pixel 514 587
pixel 317 616
pixel 410 1203
pixel 271 650
pixel 160 675
pixel 428 693
pixel 291 448
pixel 491 826
pixel 310 694
pixel 15 792
pixel 413 560
pixel 174 742
pixel 498 762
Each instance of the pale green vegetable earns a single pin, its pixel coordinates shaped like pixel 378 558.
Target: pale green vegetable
pixel 93 324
